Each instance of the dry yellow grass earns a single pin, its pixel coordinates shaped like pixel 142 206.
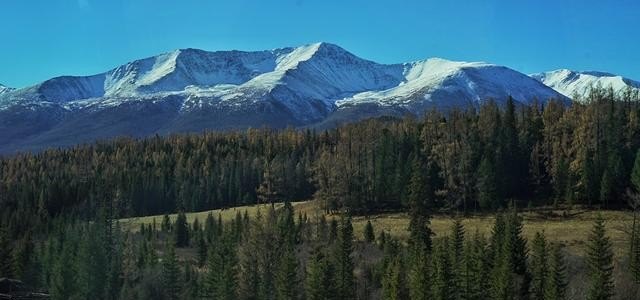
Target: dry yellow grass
pixel 571 230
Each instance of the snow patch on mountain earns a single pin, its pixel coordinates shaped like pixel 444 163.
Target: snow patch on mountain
pixel 578 84
pixel 5 89
pixel 437 81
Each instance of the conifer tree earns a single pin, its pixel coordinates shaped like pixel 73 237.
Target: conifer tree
pixel 221 280
pixel 319 283
pixel 600 263
pixel 443 281
pixel 419 276
pixel 488 196
pixel 166 223
pixel 419 203
pixel 393 282
pixel 286 278
pixel 181 230
pixel 369 235
pixel 476 268
pixel 557 280
pixel 343 261
pixel 333 230
pixel 539 267
pixel 6 269
pixel 171 279
pixel 456 249
pixel 63 283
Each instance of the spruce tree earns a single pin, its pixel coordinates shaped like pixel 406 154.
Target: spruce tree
pixel 319 283
pixel 475 283
pixel 443 281
pixel 181 230
pixel 456 249
pixel 420 201
pixel 539 267
pixel 393 281
pixel 343 262
pixel 221 279
pixel 171 279
pixel 63 284
pixel 600 263
pixel 556 285
pixel 488 195
pixel 369 235
pixel 6 264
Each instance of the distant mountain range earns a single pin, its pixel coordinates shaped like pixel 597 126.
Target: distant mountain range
pixel 317 85
pixel 576 85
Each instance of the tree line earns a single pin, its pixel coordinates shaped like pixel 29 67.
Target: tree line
pixel 475 159
pixel 277 254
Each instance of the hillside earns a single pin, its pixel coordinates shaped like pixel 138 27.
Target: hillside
pixel 192 90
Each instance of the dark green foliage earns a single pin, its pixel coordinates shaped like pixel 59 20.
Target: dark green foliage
pixel 320 282
pixel 456 251
pixel 343 262
pixel 488 195
pixel 600 263
pixel 6 264
pixel 369 235
pixel 635 173
pixel 539 267
pixel 475 284
pixel 221 280
pixel 394 281
pixel 181 230
pixel 444 285
pixel 556 285
pixel 171 279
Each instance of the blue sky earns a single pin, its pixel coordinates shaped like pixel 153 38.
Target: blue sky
pixel 43 39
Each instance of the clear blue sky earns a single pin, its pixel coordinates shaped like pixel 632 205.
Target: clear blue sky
pixel 43 39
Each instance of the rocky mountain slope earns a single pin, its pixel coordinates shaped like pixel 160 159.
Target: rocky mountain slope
pixel 191 90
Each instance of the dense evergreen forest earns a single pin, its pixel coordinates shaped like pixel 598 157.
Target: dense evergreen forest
pixel 58 208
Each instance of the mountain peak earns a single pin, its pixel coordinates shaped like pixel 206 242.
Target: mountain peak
pixel 578 83
pixel 5 89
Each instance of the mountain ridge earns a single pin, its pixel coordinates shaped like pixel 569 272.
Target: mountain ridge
pixel 577 84
pixel 190 90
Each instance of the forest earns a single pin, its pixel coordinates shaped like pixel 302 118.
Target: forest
pixel 59 209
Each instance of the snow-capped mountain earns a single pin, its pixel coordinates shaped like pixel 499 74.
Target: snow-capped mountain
pixel 191 90
pixel 578 84
pixel 5 89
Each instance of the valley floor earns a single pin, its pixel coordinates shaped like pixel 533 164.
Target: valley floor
pixel 570 228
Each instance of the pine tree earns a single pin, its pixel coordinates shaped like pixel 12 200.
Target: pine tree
pixel 319 283
pixel 488 196
pixel 393 282
pixel 476 268
pixel 171 279
pixel 635 173
pixel 539 267
pixel 600 262
pixel 343 261
pixel 443 281
pixel 63 283
pixel 166 223
pixel 457 259
pixel 557 280
pixel 286 278
pixel 516 246
pixel 420 201
pixel 634 236
pixel 6 269
pixel 369 235
pixel 419 279
pixel 221 280
pixel 181 230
